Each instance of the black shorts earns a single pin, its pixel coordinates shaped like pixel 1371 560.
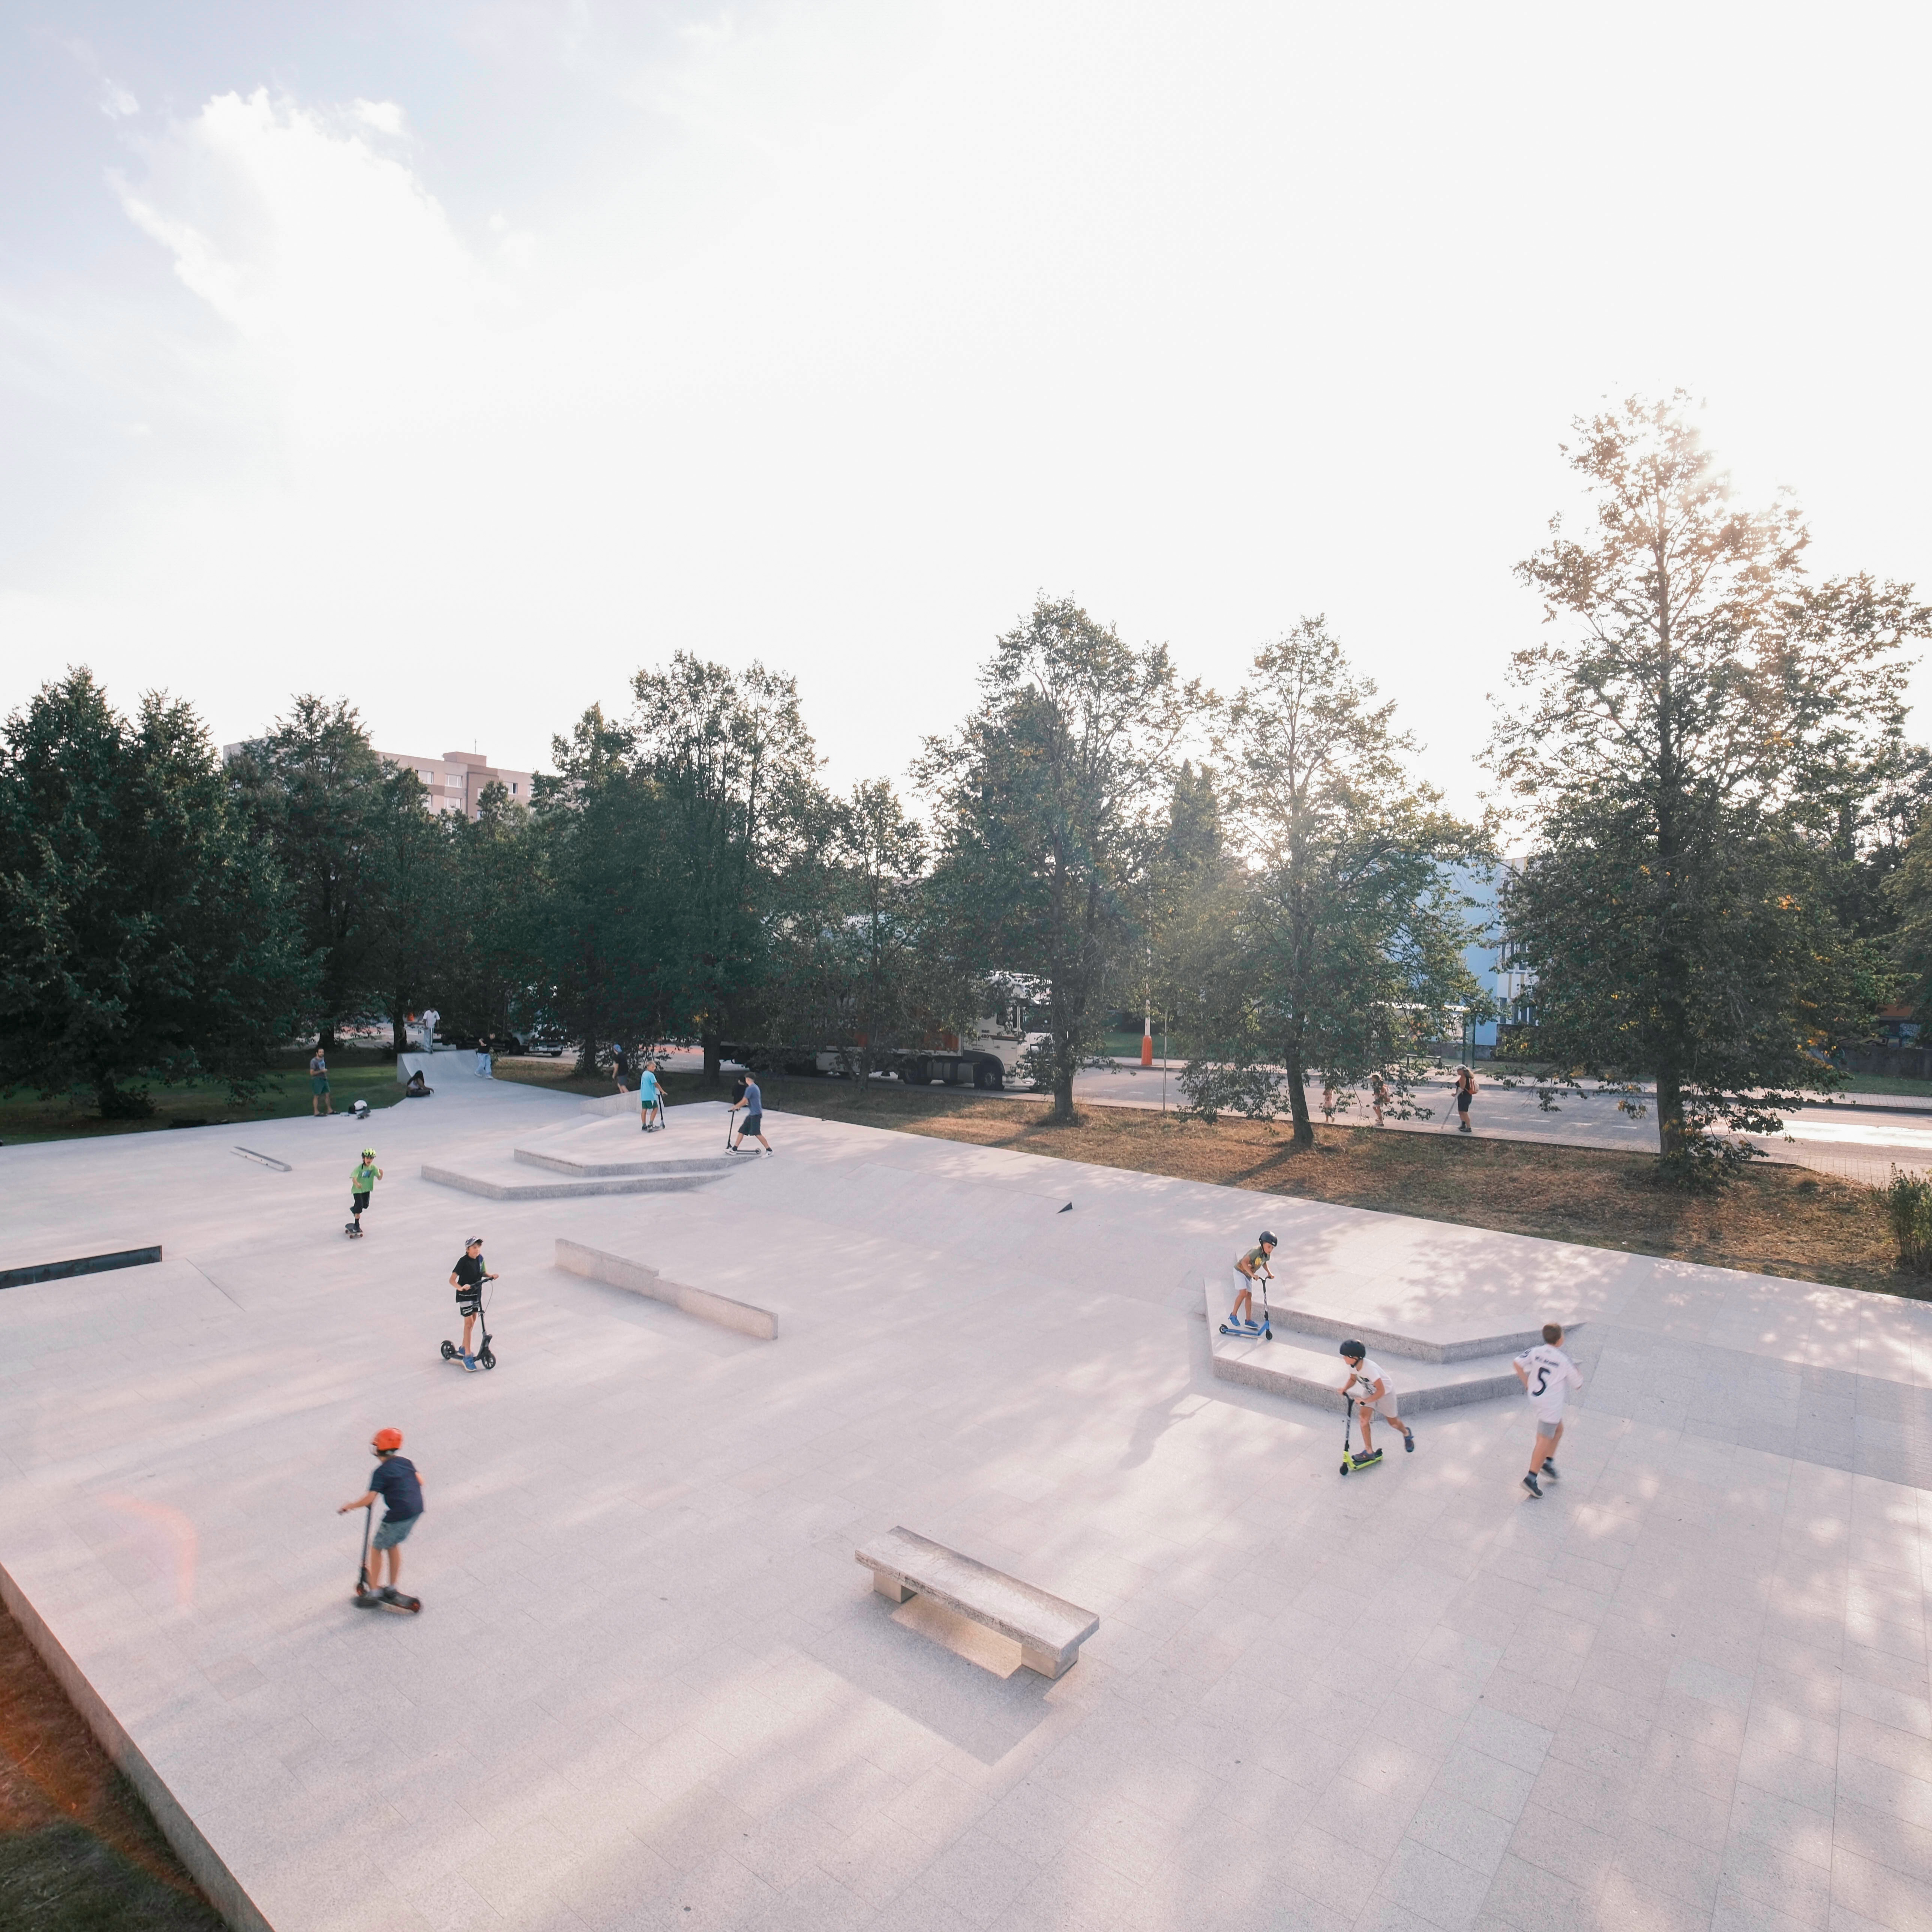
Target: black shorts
pixel 755 1124
pixel 469 1300
pixel 357 1202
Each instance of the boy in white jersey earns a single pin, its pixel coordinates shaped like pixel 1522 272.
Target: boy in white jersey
pixel 1547 1375
pixel 1373 1390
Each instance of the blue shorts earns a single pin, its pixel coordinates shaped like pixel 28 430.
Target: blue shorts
pixel 391 1531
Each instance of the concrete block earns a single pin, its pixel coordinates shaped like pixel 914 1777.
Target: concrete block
pixel 642 1278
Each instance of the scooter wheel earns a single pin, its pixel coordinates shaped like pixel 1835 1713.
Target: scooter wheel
pixel 488 1360
pixel 449 1351
pixel 1345 1469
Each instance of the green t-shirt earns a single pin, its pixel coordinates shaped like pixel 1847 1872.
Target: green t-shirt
pixel 1255 1261
pixel 363 1179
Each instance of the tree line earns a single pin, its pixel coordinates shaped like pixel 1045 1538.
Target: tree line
pixel 1706 799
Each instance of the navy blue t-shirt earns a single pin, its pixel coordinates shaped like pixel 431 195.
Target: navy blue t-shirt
pixel 395 1482
pixel 754 1101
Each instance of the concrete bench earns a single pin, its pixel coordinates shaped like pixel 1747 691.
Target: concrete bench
pixel 1049 1630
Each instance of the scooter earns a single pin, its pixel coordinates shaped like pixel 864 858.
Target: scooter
pixel 452 1351
pixel 1350 1461
pixel 367 1599
pixel 1268 1321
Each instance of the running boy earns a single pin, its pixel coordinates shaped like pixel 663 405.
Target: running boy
pixel 1373 1390
pixel 467 1278
pixel 1251 1267
pixel 1547 1375
pixel 362 1180
pixel 753 1102
pixel 650 1101
pixel 396 1482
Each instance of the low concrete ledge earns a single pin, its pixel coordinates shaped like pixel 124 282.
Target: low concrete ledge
pixel 1307 1380
pixel 558 1163
pixel 559 1190
pixel 1340 1328
pixel 642 1278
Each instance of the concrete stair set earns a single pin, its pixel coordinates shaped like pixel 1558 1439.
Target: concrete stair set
pixel 603 1155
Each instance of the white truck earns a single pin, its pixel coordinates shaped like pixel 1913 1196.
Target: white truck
pixel 984 1055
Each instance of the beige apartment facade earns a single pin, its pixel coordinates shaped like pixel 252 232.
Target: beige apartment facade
pixel 453 782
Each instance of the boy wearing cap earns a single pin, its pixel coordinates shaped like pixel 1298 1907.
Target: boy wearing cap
pixel 396 1482
pixel 467 1278
pixel 1373 1390
pixel 1547 1375
pixel 362 1180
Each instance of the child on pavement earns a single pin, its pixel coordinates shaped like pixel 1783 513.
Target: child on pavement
pixel 1373 1390
pixel 650 1101
pixel 362 1180
pixel 753 1102
pixel 1547 1375
pixel 1251 1267
pixel 467 1278
pixel 396 1482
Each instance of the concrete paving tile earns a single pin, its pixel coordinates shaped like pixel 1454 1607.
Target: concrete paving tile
pixel 1461 1831
pixel 1803 1781
pixel 977 1877
pixel 1579 1854
pixel 1439 1890
pixel 1487 1782
pixel 1626 1904
pixel 1506 1736
pixel 1792 1829
pixel 1662 1861
pixel 1756 1876
pixel 1533 1899
pixel 1883 1838
pixel 1885 1744
pixel 1878 1893
pixel 1885 1705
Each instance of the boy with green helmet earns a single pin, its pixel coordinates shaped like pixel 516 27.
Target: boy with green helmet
pixel 362 1181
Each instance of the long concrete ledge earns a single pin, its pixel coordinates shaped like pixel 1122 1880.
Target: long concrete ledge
pixel 1307 1377
pixel 1415 1347
pixel 716 1163
pixel 22 1277
pixel 642 1278
pixel 204 1867
pixel 558 1190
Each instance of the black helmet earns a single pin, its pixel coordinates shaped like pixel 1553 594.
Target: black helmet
pixel 1269 1239
pixel 1354 1351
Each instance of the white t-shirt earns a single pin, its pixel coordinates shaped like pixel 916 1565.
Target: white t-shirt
pixel 1367 1376
pixel 1552 1375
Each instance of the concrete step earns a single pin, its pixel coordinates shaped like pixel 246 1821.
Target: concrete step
pixel 1414 1348
pixel 585 1167
pixel 500 1180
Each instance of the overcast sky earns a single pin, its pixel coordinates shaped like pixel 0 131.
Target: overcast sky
pixel 461 358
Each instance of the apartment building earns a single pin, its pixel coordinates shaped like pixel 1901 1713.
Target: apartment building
pixel 454 782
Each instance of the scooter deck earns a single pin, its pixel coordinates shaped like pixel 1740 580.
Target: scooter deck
pixel 1368 1462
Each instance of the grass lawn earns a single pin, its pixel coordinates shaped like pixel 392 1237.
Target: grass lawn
pixel 1775 1220
pixel 355 1073
pixel 79 1852
pixel 1889 1083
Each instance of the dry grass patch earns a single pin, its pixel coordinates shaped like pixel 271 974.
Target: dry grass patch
pixel 1776 1220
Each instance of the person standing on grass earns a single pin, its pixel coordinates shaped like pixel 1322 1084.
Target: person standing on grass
pixel 1373 1390
pixel 398 1483
pixel 1465 1092
pixel 1547 1375
pixel 320 1102
pixel 753 1102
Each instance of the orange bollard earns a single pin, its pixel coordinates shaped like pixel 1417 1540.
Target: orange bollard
pixel 1146 1049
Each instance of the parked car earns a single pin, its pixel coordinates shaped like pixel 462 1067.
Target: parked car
pixel 547 1041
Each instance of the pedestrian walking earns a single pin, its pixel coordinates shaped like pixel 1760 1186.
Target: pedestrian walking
pixel 467 1278
pixel 1253 1266
pixel 1547 1375
pixel 1465 1092
pixel 1328 1101
pixel 753 1102
pixel 320 1102
pixel 1378 1096
pixel 397 1481
pixel 1374 1393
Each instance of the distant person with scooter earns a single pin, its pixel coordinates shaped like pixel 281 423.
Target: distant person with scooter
pixel 753 1102
pixel 362 1180
pixel 396 1482
pixel 1253 1266
pixel 1371 1390
pixel 467 1278
pixel 650 1099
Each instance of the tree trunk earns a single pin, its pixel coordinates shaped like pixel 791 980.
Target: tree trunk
pixel 1060 1114
pixel 1298 1099
pixel 709 1040
pixel 114 1105
pixel 1669 1113
pixel 399 1031
pixel 586 1052
pixel 325 1036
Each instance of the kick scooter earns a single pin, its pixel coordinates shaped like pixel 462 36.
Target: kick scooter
pixel 1350 1461
pixel 451 1353
pixel 367 1599
pixel 1247 1331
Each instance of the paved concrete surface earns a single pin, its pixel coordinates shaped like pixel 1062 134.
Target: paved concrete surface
pixel 650 1687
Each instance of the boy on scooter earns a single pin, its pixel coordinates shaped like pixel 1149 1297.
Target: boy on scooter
pixel 1251 1267
pixel 1372 1391
pixel 467 1278
pixel 396 1482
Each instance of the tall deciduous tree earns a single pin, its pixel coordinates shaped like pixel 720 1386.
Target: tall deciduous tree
pixel 143 934
pixel 1333 943
pixel 1051 801
pixel 1698 706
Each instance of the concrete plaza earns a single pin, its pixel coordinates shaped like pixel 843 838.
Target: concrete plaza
pixel 650 1687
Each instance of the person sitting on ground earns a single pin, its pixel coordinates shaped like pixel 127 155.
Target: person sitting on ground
pixel 418 1088
pixel 1373 1390
pixel 1251 1266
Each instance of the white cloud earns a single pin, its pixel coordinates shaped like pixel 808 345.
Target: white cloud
pixel 385 116
pixel 116 103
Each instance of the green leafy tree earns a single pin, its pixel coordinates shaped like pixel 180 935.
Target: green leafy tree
pixel 143 936
pixel 489 938
pixel 323 804
pixel 411 874
pixel 1684 746
pixel 1332 944
pixel 1049 802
